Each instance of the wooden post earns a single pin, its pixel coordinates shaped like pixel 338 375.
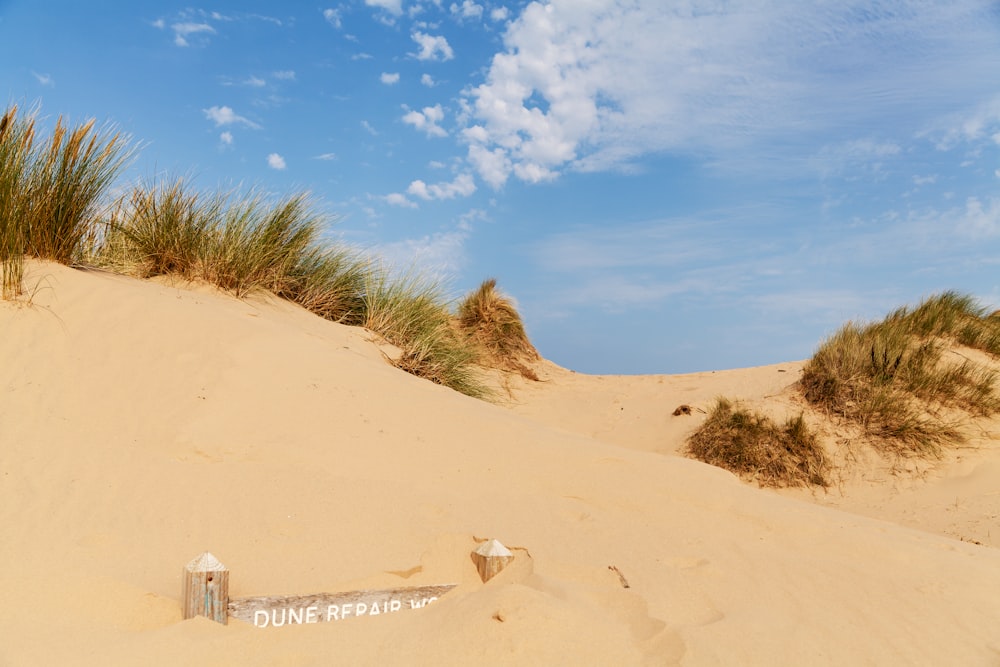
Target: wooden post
pixel 490 558
pixel 206 589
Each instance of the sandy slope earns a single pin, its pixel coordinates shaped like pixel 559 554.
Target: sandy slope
pixel 142 424
pixel 957 496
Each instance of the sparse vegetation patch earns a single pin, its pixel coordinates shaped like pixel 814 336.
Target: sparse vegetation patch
pixel 756 448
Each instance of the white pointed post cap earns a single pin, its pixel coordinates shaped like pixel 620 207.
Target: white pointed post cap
pixel 205 563
pixel 490 558
pixel 492 548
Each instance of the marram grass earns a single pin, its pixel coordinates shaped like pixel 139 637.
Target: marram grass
pixel 15 155
pixel 493 325
pixel 55 204
pixel 897 380
pixel 754 447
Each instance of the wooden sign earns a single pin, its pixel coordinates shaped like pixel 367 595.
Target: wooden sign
pixel 275 612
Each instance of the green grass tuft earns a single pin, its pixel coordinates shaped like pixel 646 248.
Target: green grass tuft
pixel 66 186
pixel 894 380
pixel 410 312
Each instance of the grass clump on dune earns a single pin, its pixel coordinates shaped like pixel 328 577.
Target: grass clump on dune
pixel 894 379
pixel 54 204
pixel 66 187
pixel 410 312
pixel 15 151
pixel 160 229
pixel 51 191
pixel 754 447
pixel 491 322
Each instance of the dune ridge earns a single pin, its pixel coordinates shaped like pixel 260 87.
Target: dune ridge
pixel 146 422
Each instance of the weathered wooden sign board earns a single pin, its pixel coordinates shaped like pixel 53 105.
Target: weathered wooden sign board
pixel 206 593
pixel 277 611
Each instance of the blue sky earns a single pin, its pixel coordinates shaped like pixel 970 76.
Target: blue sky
pixel 664 187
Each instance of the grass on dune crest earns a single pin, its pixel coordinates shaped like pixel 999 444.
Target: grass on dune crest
pixel 68 179
pixel 328 281
pixel 52 190
pixel 491 322
pixel 55 204
pixel 15 163
pixel 410 312
pixel 897 380
pixel 160 229
pixel 754 447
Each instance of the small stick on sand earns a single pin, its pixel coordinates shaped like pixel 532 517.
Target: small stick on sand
pixel 621 577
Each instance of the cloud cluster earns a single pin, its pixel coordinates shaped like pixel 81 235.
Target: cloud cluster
pixel 427 120
pixel 182 31
pixel 226 116
pixel 394 7
pixel 462 186
pixel 432 47
pixel 275 161
pixel 596 85
pixel 467 10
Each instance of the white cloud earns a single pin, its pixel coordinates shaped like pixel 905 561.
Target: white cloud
pixel 500 14
pixel 389 79
pixel 44 79
pixel 326 156
pixel 332 17
pixel 971 126
pixel 275 161
pixel 980 220
pixel 493 165
pixel 397 199
pixel 368 128
pixel 442 253
pixel 427 80
pixel 226 138
pixel 467 10
pixel 226 116
pixel 432 47
pixel 427 120
pixel 255 82
pixel 925 180
pixel 462 186
pixel 394 7
pixel 284 75
pixel 596 85
pixel 184 30
pixel 855 158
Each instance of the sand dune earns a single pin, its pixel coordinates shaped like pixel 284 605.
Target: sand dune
pixel 144 423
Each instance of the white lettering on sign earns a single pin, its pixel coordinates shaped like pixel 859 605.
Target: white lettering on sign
pixel 280 616
pixel 276 612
